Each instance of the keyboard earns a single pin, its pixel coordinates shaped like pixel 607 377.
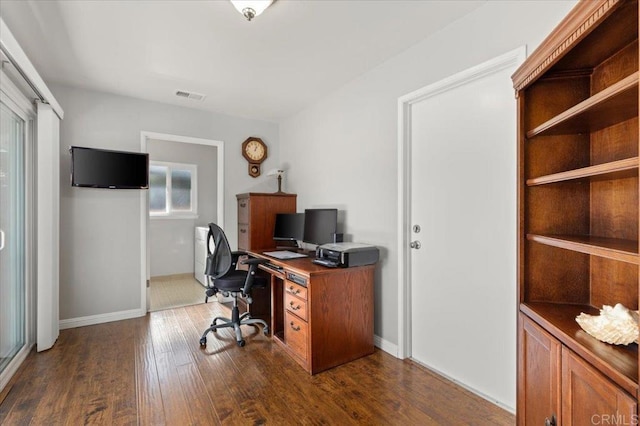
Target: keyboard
pixel 272 266
pixel 284 254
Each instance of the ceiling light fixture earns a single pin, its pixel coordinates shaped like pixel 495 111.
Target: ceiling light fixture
pixel 251 8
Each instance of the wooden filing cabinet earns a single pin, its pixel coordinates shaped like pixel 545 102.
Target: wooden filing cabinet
pixel 256 220
pixel 257 216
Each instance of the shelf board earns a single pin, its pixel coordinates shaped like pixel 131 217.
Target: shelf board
pixel 610 248
pixel 618 362
pixel 614 169
pixel 615 104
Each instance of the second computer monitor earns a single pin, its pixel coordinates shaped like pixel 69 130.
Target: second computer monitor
pixel 289 227
pixel 320 225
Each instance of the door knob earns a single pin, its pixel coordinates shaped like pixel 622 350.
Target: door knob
pixel 415 244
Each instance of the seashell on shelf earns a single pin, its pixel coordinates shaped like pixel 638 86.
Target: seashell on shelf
pixel 617 325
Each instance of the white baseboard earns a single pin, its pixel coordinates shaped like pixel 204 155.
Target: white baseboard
pixel 469 388
pixel 392 349
pixel 385 345
pixel 101 318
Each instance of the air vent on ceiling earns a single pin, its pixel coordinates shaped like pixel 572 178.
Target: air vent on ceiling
pixel 190 95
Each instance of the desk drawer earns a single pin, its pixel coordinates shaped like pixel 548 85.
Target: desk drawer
pixel 296 305
pixel 243 237
pixel 294 289
pixel 296 334
pixel 243 210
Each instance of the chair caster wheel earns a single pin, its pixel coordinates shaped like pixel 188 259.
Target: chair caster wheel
pixel 203 341
pixel 266 331
pixel 241 343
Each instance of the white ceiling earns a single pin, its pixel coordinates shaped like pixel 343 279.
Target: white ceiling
pixel 293 54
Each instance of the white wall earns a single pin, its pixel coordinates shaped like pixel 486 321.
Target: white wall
pixel 343 150
pixel 100 248
pixel 171 241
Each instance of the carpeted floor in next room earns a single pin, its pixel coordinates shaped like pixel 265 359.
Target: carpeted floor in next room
pixel 173 291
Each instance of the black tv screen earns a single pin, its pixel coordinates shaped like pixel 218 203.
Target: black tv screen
pixel 289 227
pixel 320 225
pixel 101 168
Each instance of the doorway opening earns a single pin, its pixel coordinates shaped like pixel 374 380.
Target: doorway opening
pixel 186 192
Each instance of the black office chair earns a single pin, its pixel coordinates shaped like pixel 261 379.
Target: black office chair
pixel 222 276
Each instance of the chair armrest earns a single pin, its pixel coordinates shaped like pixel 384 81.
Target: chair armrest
pixel 238 253
pixel 253 263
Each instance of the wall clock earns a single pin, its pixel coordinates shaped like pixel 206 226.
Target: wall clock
pixel 255 152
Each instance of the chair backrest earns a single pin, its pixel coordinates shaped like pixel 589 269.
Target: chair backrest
pixel 219 262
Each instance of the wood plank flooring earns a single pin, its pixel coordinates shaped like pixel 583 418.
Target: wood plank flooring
pixel 151 371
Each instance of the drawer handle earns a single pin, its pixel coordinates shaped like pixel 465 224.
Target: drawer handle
pixel 550 421
pixel 243 231
pixel 243 205
pixel 293 327
pixel 293 290
pixel 295 308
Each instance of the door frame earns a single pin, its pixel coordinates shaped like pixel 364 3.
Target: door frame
pixel 13 97
pixel 144 201
pixel 405 104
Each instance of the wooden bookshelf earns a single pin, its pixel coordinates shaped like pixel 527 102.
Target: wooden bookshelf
pixel 610 248
pixel 615 104
pixel 612 170
pixel 578 222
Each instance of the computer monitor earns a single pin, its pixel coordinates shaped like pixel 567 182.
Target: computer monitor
pixel 289 227
pixel 320 225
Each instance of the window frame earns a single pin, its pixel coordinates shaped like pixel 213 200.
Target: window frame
pixel 170 213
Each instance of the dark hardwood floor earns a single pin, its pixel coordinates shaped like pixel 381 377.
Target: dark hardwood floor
pixel 151 370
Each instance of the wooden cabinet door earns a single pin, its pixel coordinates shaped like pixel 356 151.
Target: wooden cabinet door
pixel 539 358
pixel 588 397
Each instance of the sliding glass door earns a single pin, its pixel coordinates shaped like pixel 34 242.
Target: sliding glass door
pixel 13 283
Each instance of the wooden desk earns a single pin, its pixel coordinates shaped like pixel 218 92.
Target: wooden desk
pixel 325 320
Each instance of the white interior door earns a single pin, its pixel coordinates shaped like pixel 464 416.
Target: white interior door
pixel 463 198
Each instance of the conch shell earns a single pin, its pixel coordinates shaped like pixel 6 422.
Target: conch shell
pixel 616 325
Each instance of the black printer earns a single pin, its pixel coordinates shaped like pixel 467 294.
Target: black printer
pixel 345 255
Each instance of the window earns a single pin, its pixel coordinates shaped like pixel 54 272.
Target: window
pixel 173 190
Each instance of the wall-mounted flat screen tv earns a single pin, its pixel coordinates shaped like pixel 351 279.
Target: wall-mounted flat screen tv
pixel 101 168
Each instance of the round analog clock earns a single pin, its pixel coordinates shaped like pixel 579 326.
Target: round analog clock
pixel 255 152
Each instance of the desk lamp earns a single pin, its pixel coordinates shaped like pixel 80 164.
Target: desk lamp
pixel 279 173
